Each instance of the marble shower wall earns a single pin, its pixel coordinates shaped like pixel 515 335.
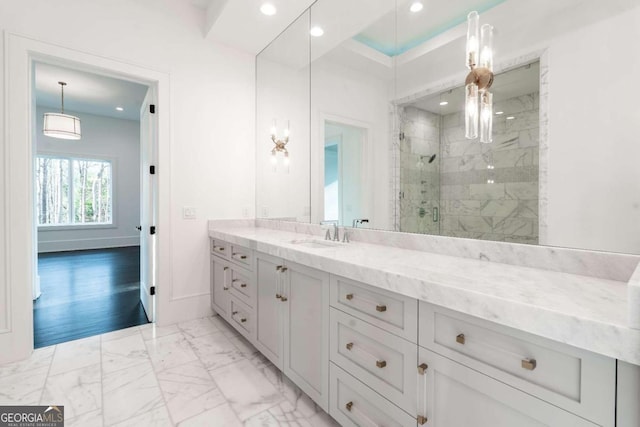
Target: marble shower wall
pixel 482 191
pixel 419 197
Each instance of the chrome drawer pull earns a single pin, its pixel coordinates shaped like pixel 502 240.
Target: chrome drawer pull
pixel 278 268
pixel 278 296
pixel 529 364
pixel 381 308
pixel 243 285
pixel 349 406
pixel 235 255
pixel 219 248
pixel 422 420
pixel 224 288
pixel 234 313
pixel 460 339
pixel 422 368
pixel 243 320
pixel 349 346
pixel 349 297
pixel 283 298
pixel 284 269
pixel 225 269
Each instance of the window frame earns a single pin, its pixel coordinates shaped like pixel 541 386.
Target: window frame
pixel 79 226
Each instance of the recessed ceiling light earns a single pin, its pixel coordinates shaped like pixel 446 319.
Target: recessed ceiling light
pixel 316 31
pixel 443 103
pixel 119 108
pixel 416 6
pixel 268 9
pixel 499 113
pixel 510 118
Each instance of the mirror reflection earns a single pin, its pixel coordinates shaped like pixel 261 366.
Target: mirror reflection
pixel 383 119
pixel 454 186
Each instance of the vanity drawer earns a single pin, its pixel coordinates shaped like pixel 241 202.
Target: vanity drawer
pixel 383 361
pixel 576 380
pixel 242 318
pixel 220 248
pixel 387 310
pixel 353 404
pixel 241 256
pixel 243 287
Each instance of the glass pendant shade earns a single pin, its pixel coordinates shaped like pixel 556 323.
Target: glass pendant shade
pixel 471 111
pixel 473 39
pixel 486 117
pixel 486 47
pixel 64 126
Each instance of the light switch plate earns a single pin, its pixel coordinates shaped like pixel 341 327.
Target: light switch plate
pixel 189 212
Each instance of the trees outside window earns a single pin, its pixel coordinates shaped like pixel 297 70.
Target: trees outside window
pixel 73 191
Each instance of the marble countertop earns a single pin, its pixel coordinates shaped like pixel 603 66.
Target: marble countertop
pixel 586 312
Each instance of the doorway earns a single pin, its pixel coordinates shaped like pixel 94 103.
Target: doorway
pixel 345 173
pixel 93 205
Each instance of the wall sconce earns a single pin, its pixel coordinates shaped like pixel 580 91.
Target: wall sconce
pixel 478 99
pixel 280 145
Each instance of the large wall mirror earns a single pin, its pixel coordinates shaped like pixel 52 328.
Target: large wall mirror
pixel 381 102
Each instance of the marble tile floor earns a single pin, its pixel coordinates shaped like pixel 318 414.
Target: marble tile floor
pixel 197 373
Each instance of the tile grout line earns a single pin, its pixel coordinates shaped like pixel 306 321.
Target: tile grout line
pixel 46 379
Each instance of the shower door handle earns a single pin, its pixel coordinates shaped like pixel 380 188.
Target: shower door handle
pixel 436 214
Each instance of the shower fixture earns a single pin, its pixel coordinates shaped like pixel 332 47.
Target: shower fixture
pixel 430 158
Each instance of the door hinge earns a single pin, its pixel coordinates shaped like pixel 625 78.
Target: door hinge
pixel 152 170
pixel 152 229
pixel 152 108
pixel 152 290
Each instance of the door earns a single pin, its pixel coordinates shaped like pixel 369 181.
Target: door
pixel 306 330
pixel 269 308
pixel 450 394
pixel 148 203
pixel 219 287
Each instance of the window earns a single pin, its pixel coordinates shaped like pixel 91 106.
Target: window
pixel 72 191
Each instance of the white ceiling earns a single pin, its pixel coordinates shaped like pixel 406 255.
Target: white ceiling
pixel 87 92
pixel 240 24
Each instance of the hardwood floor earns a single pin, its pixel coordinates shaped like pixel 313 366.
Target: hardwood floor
pixel 86 293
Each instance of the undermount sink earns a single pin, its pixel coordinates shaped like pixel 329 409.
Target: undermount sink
pixel 315 243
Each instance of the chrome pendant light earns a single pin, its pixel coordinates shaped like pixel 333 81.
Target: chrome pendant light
pixel 60 125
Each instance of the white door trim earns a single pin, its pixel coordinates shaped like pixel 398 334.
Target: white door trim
pixel 16 195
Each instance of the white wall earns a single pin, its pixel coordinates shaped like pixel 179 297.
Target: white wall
pixel 594 123
pixel 211 116
pixel 105 138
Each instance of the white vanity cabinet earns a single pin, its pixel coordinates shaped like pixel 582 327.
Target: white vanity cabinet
pixel 292 323
pixel 547 375
pixel 233 290
pixel 451 394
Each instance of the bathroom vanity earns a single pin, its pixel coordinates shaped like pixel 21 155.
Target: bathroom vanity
pixel 386 335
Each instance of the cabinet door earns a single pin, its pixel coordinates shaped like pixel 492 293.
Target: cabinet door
pixel 306 330
pixel 450 394
pixel 220 287
pixel 269 308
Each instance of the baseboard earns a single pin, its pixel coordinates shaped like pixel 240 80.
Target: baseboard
pixel 83 244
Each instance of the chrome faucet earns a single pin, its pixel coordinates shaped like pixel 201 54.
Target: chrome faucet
pixel 336 232
pixel 327 235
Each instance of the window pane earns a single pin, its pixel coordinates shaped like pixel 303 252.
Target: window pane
pixel 52 182
pixel 92 192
